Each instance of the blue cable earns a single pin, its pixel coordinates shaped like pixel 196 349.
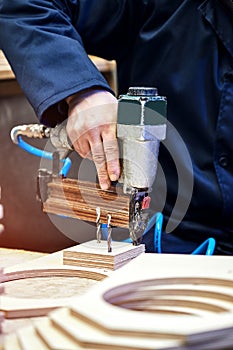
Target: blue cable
pixel 158 233
pixel 44 154
pixel 151 223
pixel 207 246
pixel 33 150
pixel 156 220
pixel 66 166
pixel 104 230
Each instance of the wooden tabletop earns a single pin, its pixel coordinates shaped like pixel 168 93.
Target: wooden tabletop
pixel 46 290
pixel 8 258
pixel 11 257
pixel 5 69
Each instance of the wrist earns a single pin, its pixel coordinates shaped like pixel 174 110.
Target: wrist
pixel 75 98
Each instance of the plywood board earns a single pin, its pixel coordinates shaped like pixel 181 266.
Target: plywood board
pixel 54 337
pixel 39 286
pixel 95 254
pixel 29 339
pixel 36 287
pixel 89 335
pixel 11 342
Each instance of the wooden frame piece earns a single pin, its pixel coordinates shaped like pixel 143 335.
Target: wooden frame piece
pixel 104 317
pixel 89 261
pixel 49 266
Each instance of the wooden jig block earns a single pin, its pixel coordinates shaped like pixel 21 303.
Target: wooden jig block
pixel 94 254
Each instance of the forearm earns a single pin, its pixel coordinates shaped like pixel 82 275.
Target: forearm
pixel 44 42
pixel 46 54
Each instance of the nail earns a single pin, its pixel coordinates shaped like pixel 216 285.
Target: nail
pixel 104 186
pixel 113 177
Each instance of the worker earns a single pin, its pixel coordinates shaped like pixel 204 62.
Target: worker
pixel 184 48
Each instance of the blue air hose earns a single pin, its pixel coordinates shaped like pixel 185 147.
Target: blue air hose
pixel 207 247
pixel 44 154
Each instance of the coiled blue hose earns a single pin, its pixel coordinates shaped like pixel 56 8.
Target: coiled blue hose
pixel 207 247
pixel 44 154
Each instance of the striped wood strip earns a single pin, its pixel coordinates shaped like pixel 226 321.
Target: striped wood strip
pixel 79 199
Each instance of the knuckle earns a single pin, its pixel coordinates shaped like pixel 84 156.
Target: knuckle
pixel 98 154
pixel 111 150
pixel 98 159
pixel 102 174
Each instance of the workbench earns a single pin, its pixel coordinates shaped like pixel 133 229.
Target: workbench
pixel 11 257
pixel 39 288
pixel 157 301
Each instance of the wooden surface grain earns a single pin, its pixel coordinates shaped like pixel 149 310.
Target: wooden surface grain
pixel 19 290
pixel 79 199
pixel 8 258
pixel 5 69
pixel 157 301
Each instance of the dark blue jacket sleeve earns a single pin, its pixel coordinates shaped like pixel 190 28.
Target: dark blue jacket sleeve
pixel 46 43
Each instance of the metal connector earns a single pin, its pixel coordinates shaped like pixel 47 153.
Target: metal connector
pixel 36 131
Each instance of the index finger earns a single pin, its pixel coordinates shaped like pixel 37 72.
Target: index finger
pixel 99 158
pixel 111 151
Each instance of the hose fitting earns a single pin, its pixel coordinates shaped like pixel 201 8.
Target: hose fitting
pixel 36 131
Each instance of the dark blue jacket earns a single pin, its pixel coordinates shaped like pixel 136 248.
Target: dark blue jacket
pixel 184 48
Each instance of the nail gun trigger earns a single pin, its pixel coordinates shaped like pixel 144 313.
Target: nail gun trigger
pixel 146 202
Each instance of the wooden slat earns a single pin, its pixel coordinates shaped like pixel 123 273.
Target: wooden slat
pixel 79 199
pixel 91 336
pixel 54 336
pixel 11 342
pixel 29 339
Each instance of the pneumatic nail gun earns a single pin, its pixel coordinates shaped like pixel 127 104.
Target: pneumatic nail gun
pixel 141 126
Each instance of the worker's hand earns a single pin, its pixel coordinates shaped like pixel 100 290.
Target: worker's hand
pixel 91 128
